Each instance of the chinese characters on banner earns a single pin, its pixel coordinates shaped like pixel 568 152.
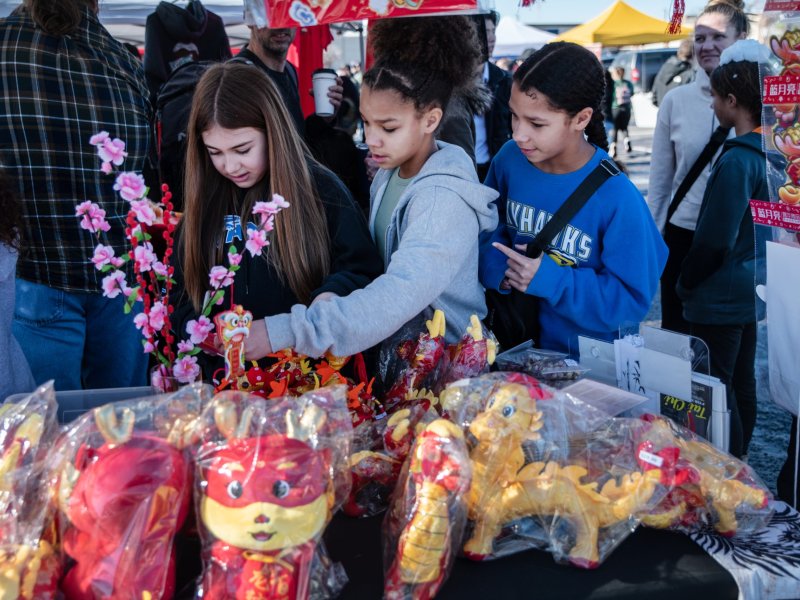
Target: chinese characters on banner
pixel 775 214
pixel 781 89
pixel 304 13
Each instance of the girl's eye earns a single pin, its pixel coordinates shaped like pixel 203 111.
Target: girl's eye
pixel 243 151
pixel 389 130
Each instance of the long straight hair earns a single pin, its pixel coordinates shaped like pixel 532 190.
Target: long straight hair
pixel 234 96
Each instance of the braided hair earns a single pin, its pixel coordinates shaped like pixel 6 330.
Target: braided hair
pixel 425 59
pixel 571 78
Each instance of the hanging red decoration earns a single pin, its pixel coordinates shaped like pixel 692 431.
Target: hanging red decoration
pixel 678 8
pixel 526 3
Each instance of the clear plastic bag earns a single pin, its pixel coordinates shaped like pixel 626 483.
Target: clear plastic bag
pixel 548 366
pixel 269 475
pixel 29 564
pixel 423 529
pixel 706 485
pixel 123 479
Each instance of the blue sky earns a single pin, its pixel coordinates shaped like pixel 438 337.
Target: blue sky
pixel 566 11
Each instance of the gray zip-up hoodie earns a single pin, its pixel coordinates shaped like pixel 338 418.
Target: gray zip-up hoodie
pixel 432 257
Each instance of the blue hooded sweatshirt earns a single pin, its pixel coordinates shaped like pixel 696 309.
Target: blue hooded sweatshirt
pixel 600 272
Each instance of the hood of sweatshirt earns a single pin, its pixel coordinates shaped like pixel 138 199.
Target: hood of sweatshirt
pixel 449 167
pixel 183 23
pixel 751 140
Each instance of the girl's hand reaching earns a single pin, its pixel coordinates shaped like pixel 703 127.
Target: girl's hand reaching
pixel 521 269
pixel 257 345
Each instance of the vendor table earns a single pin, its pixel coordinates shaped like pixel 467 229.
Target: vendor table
pixel 649 565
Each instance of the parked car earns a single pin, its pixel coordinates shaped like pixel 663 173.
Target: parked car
pixel 641 66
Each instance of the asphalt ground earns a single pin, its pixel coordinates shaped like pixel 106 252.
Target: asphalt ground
pixel 771 436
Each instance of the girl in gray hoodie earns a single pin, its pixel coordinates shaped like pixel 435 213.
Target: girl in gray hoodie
pixel 427 206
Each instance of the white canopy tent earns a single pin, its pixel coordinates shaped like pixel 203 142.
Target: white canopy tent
pixel 513 38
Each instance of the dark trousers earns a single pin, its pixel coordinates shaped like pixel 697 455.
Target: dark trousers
pixel 483 170
pixel 788 487
pixel 732 350
pixel 678 241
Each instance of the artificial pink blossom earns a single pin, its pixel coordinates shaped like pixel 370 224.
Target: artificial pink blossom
pixel 106 168
pixel 256 241
pixel 93 217
pixel 234 258
pixel 130 186
pixel 279 201
pixel 158 314
pixel 112 151
pixel 115 283
pixel 186 369
pixel 149 347
pixel 185 346
pixel 220 277
pixel 144 257
pixel 104 255
pixel 198 330
pixel 144 212
pixel 160 269
pixel 98 138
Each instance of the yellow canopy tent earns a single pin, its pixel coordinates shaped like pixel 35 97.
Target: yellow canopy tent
pixel 621 25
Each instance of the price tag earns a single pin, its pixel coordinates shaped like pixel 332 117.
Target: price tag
pixel 650 458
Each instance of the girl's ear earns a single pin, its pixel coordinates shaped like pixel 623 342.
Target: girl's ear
pixel 581 120
pixel 731 100
pixel 431 119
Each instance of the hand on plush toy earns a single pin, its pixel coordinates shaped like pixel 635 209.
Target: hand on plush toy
pixel 257 344
pixel 521 269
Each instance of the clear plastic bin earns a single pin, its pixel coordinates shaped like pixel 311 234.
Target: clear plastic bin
pixel 73 403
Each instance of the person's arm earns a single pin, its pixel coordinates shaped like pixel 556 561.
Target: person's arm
pixel 441 232
pixel 354 258
pixel 662 165
pixel 622 287
pixel 725 204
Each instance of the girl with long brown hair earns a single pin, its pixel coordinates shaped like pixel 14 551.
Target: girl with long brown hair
pixel 242 148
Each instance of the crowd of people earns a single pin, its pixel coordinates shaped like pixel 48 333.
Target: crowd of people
pixel 467 162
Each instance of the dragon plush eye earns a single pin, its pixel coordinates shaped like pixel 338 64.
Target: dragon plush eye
pixel 509 410
pixel 235 490
pixel 280 489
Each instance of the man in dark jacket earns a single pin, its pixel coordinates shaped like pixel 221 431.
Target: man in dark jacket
pixel 492 128
pixel 677 71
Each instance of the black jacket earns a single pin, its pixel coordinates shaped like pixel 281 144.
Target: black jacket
pixel 498 117
pixel 257 285
pixel 174 35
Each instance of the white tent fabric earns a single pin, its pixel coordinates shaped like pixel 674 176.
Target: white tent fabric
pixel 513 38
pixel 134 12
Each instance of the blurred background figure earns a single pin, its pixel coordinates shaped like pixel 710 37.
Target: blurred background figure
pixel 677 71
pixel 620 109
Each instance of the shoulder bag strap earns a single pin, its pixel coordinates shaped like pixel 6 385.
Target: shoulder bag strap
pixel 717 139
pixel 572 205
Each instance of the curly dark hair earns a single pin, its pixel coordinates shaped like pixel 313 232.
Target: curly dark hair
pixel 10 213
pixel 425 59
pixel 740 78
pixel 571 79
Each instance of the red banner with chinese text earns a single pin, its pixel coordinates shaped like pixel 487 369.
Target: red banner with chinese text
pixel 775 214
pixel 304 13
pixel 781 89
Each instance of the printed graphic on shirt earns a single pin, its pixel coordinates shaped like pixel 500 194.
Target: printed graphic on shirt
pixel 570 247
pixel 233 228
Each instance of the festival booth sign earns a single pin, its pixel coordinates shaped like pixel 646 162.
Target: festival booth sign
pixel 305 13
pixel 623 25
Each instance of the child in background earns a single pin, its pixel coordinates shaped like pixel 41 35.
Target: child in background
pixel 602 270
pixel 717 280
pixel 15 374
pixel 427 206
pixel 621 109
pixel 242 147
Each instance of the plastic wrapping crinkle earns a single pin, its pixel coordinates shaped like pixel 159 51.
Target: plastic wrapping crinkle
pixel 551 367
pixel 549 471
pixel 123 479
pixel 423 529
pixel 29 564
pixel 706 486
pixel 269 475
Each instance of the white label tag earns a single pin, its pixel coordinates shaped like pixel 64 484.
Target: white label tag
pixel 650 458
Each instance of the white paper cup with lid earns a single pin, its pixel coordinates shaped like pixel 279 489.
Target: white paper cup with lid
pixel 322 80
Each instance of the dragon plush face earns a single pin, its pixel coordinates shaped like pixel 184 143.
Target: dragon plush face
pixel 265 493
pixel 510 409
pixel 233 325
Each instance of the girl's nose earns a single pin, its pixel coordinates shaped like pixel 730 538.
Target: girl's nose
pixel 231 164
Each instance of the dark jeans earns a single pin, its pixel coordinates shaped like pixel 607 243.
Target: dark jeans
pixel 732 350
pixel 621 116
pixel 678 241
pixel 788 487
pixel 483 170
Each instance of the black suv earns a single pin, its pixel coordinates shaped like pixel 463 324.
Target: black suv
pixel 642 66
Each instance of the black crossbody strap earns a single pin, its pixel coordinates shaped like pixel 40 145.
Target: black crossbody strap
pixel 717 139
pixel 572 205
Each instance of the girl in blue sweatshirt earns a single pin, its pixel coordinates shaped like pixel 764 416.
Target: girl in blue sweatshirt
pixel 601 271
pixel 717 281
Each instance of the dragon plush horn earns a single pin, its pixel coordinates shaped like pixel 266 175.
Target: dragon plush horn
pixel 114 431
pixel 228 421
pixel 302 426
